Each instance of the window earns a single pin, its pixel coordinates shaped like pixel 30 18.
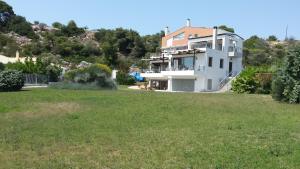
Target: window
pixel 182 48
pixel 210 62
pixel 220 44
pixel 184 63
pixel 209 44
pixel 179 36
pixel 188 63
pixel 221 63
pixel 209 84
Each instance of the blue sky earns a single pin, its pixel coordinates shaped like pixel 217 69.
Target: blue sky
pixel 253 17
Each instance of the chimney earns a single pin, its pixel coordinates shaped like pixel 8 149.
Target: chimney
pixel 215 37
pixel 167 31
pixel 188 23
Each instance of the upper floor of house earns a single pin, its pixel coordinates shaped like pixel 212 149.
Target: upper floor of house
pixel 190 38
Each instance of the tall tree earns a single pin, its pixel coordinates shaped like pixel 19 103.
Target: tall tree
pixel 224 27
pixel 153 42
pixel 138 50
pixel 272 38
pixel 286 84
pixel 57 25
pixel 4 7
pixel 110 53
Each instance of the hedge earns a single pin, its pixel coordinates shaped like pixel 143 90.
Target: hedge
pixel 11 80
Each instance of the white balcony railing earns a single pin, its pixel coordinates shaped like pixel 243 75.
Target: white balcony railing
pixel 184 73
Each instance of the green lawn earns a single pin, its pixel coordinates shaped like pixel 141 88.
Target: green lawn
pixel 48 128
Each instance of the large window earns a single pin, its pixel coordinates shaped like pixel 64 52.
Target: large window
pixel 220 44
pixel 221 63
pixel 188 63
pixel 210 62
pixel 184 63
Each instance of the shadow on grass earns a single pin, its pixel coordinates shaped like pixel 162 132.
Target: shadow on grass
pixel 18 91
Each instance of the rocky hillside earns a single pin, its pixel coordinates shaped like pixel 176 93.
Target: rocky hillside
pixel 72 43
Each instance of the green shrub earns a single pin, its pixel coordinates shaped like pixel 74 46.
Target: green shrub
pixel 253 80
pixel 2 67
pixel 104 68
pixel 41 66
pixel 11 80
pixel 245 82
pixel 96 74
pixel 278 86
pixel 53 72
pixel 16 66
pixel 264 81
pixel 125 79
pixel 286 83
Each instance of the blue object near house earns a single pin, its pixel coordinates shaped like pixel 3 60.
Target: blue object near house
pixel 137 76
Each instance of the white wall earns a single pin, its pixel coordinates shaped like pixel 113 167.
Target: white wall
pixel 237 64
pixel 215 72
pixel 202 71
pixel 5 60
pixel 170 42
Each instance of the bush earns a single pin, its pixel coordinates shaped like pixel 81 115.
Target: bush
pixel 2 67
pixel 16 66
pixel 264 81
pixel 43 66
pixel 11 80
pixel 53 73
pixel 245 82
pixel 253 80
pixel 96 75
pixel 125 79
pixel 286 84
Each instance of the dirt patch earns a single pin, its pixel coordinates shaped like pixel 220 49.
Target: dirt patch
pixel 48 109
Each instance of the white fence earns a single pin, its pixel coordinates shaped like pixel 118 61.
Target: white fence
pixel 36 79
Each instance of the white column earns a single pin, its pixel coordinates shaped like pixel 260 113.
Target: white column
pixel 149 83
pixel 170 62
pixel 170 88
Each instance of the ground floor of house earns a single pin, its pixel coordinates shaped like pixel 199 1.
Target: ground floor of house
pixel 188 85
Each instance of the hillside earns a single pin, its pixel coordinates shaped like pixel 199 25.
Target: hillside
pixel 117 48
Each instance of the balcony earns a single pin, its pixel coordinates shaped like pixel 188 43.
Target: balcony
pixel 152 75
pixel 180 72
pixel 234 52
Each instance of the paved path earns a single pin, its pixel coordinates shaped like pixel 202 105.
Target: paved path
pixel 34 86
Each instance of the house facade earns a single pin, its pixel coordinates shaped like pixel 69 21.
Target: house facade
pixel 195 59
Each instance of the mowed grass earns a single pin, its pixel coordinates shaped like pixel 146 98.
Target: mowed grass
pixel 48 128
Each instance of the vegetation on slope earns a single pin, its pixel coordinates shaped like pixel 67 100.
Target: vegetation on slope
pixel 73 43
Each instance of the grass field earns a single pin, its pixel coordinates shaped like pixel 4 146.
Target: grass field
pixel 48 128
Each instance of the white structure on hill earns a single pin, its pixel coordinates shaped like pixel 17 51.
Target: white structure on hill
pixel 5 59
pixel 196 59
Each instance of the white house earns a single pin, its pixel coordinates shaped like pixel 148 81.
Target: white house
pixel 196 59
